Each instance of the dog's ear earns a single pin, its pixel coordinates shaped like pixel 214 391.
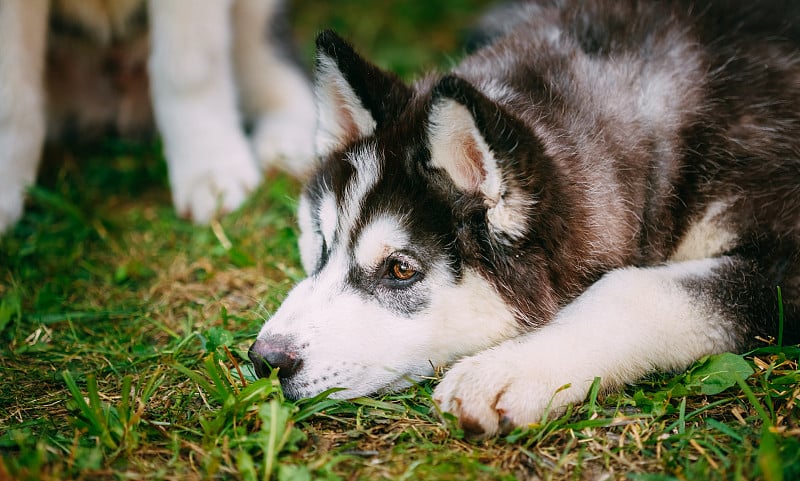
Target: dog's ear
pixel 354 97
pixel 476 144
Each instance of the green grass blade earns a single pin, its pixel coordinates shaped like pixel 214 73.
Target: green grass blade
pixel 201 381
pixel 94 412
pixel 222 387
pixel 780 317
pixel 724 429
pixel 77 396
pixel 765 418
pixel 769 457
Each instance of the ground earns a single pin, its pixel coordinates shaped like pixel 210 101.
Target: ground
pixel 124 330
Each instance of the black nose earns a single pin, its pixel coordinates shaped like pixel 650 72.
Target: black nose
pixel 275 352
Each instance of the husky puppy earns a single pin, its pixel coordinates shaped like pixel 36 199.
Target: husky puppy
pixel 606 189
pixel 81 67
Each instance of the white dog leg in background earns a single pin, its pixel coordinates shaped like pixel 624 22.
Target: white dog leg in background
pixel 275 92
pixel 211 166
pixel 23 31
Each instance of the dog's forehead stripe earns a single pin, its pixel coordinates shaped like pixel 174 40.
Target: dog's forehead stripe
pixel 368 171
pixel 380 238
pixel 310 249
pixel 328 218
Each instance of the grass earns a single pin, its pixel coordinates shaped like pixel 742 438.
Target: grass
pixel 123 337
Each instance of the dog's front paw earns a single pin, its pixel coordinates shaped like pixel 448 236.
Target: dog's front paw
pixel 506 387
pixel 213 182
pixel 286 142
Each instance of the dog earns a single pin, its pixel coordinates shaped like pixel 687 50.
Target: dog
pixel 604 189
pixel 89 67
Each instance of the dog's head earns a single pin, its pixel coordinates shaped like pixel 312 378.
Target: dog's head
pixel 411 218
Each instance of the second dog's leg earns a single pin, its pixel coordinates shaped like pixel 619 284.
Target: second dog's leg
pixel 211 167
pixel 23 31
pixel 275 91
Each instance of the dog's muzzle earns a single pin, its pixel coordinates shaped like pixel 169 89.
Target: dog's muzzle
pixel 275 352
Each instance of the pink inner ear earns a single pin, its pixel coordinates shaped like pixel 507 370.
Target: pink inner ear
pixel 344 116
pixel 458 148
pixel 471 169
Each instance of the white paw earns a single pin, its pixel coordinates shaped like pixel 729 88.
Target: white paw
pixel 506 387
pixel 19 156
pixel 285 141
pixel 12 201
pixel 209 180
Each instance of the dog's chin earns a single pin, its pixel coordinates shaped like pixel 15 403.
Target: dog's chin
pixel 294 392
pixel 291 392
pixel 398 384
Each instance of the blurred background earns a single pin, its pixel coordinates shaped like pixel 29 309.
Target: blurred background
pixel 406 36
pixel 98 176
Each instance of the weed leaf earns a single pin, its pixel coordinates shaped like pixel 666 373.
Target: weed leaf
pixel 215 337
pixel 717 373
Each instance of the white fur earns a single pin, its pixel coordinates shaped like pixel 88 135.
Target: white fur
pixel 328 218
pixel 311 240
pixel 211 168
pixel 706 237
pixel 194 91
pixel 499 91
pixel 368 171
pixel 631 322
pixel 653 95
pixel 378 240
pixel 22 124
pixel 274 92
pixel 342 117
pixel 309 245
pixel 348 341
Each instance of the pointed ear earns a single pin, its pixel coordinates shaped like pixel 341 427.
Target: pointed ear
pixel 474 142
pixel 354 97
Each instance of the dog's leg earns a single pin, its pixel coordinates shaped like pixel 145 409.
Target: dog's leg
pixel 275 91
pixel 629 323
pixel 211 167
pixel 23 32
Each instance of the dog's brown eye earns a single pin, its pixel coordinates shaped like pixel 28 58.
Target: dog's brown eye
pixel 402 271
